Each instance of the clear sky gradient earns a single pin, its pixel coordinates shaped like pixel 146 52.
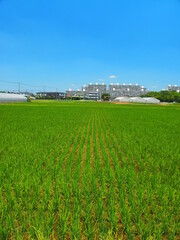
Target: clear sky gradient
pixel 67 43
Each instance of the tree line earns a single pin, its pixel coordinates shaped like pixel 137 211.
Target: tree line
pixel 165 96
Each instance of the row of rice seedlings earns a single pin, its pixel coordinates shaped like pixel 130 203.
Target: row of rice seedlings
pixel 130 184
pixel 86 192
pixel 98 185
pixel 126 182
pixel 61 181
pixel 25 191
pixel 66 206
pixel 78 191
pixel 116 196
pixel 150 226
pixel 123 171
pixel 76 202
pixel 145 188
pixel 160 205
pixel 93 182
pixel 46 197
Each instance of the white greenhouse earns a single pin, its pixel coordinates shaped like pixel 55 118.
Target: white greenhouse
pixel 12 97
pixel 137 100
pixel 151 100
pixel 122 99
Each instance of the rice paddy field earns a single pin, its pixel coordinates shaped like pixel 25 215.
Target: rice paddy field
pixel 81 170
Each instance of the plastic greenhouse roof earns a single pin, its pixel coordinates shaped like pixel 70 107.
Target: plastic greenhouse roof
pixel 12 97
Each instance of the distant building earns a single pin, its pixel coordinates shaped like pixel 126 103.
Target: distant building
pixel 27 94
pixel 92 96
pixel 51 95
pixel 94 91
pixel 90 92
pixel 173 88
pixel 131 90
pixel 75 94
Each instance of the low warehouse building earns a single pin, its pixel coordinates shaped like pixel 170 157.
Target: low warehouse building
pixel 12 97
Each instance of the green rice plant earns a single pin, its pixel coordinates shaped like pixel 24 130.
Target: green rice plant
pixel 81 170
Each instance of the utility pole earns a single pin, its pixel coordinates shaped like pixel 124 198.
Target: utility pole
pixel 56 93
pixel 19 87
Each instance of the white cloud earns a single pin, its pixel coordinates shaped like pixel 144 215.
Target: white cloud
pixel 112 76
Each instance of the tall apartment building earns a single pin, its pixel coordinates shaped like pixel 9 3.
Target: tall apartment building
pixel 120 90
pixel 173 88
pixel 94 91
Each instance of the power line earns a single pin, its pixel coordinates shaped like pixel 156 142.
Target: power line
pixel 25 84
pixel 19 84
pixel 8 81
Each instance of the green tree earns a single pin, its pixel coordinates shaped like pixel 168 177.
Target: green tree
pixel 165 96
pixel 105 96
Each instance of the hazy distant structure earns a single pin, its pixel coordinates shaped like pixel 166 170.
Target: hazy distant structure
pixel 51 95
pixel 12 97
pixel 94 91
pixel 173 88
pixel 120 90
pixel 75 94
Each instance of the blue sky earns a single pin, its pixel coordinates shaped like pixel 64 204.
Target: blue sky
pixel 67 43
